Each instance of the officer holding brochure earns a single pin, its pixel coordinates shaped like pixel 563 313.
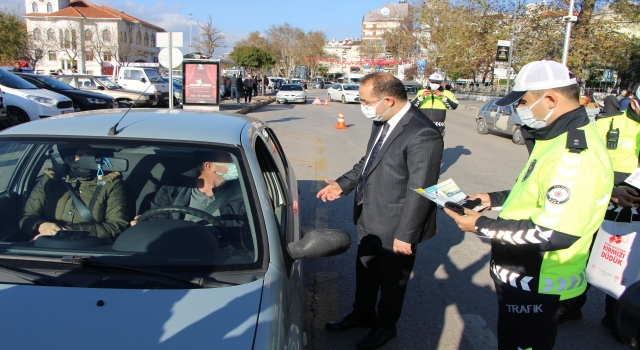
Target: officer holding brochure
pixel 540 241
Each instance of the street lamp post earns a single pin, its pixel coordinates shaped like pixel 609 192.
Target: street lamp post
pixel 190 36
pixel 513 39
pixel 570 19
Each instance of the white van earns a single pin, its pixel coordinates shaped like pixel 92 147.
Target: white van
pixel 352 78
pixel 144 80
pixel 25 102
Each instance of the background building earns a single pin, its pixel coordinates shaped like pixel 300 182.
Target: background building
pixel 347 53
pixel 80 34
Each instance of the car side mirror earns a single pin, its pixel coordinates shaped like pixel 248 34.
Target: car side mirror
pixel 143 80
pixel 100 87
pixel 319 244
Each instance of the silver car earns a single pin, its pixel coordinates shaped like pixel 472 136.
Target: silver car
pixel 291 93
pixel 227 277
pixel 501 119
pixel 344 92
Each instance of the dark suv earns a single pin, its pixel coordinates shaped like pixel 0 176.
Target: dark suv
pixel 82 100
pixel 3 109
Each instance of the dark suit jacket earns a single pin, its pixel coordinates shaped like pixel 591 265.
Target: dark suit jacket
pixel 611 104
pixel 409 158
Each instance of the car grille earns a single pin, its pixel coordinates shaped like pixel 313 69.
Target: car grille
pixel 152 97
pixel 65 104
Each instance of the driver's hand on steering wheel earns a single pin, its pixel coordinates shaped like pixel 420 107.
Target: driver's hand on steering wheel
pixel 134 221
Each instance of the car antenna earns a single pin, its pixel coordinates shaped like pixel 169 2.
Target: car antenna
pixel 113 131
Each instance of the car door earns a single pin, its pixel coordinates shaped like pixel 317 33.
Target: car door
pixel 333 92
pixel 131 80
pixel 502 118
pixel 283 194
pixel 490 114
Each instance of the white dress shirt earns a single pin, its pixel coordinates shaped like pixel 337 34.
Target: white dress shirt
pixel 392 124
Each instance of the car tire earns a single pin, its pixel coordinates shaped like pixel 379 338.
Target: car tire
pixel 517 136
pixel 125 103
pixel 278 102
pixel 15 116
pixel 482 127
pixel 329 98
pixel 344 100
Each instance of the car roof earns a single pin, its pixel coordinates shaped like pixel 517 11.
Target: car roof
pixel 142 123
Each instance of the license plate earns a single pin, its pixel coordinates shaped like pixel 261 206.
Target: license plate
pixel 154 103
pixel 65 112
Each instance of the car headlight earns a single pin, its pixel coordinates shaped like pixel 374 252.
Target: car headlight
pixel 42 100
pixel 96 100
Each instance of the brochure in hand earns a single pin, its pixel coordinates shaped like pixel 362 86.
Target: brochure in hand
pixel 634 179
pixel 448 191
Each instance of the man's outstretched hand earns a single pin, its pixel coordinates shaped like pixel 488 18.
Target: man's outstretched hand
pixel 331 192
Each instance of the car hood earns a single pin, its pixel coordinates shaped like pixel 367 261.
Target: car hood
pixel 36 92
pixel 36 317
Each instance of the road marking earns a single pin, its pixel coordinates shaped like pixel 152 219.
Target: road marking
pixel 321 164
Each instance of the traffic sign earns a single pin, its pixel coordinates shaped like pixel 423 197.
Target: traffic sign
pixel 176 57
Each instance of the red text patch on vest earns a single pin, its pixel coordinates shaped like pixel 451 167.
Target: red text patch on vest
pixel 558 194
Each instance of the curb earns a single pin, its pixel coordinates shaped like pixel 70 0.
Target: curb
pixel 246 110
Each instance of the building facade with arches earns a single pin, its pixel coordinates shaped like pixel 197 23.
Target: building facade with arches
pixel 77 33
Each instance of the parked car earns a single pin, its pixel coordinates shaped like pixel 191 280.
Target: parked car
pixel 232 281
pixel 501 119
pixel 328 84
pixel 412 87
pixel 291 93
pixel 3 109
pixel 23 70
pixel 105 86
pixel 143 80
pixel 82 100
pixel 25 102
pixel 344 92
pixel 318 85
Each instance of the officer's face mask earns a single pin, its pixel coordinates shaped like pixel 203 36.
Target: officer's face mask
pixel 434 86
pixel 232 171
pixel 527 117
pixel 371 111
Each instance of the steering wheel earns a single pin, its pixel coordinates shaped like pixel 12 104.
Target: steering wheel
pixel 182 210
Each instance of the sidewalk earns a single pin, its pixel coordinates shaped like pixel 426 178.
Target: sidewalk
pixel 256 101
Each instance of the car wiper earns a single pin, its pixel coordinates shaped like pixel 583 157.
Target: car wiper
pixel 203 282
pixel 35 278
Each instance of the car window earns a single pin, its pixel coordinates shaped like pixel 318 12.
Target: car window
pixel 131 74
pixel 9 79
pixel 350 87
pixel 139 176
pixel 53 83
pixel 86 83
pixel 71 81
pixel 505 110
pixel 110 85
pixel 291 87
pixel 493 107
pixel 336 87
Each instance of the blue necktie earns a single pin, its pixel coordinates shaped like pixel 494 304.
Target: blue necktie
pixel 372 158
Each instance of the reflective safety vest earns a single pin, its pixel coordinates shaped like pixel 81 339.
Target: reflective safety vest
pixel 435 102
pixel 540 243
pixel 624 150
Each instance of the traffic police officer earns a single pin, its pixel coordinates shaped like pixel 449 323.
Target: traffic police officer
pixel 540 241
pixel 435 101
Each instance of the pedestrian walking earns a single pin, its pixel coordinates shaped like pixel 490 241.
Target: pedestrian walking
pixel 541 240
pixel 240 84
pixel 265 84
pixel 248 87
pixel 223 82
pixel 611 104
pixel 405 153
pixel 16 67
pixel 434 101
pixel 233 83
pixel 255 86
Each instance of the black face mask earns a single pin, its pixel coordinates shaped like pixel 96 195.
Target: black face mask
pixel 77 172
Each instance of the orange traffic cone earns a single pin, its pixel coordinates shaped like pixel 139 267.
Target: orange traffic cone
pixel 341 124
pixel 326 101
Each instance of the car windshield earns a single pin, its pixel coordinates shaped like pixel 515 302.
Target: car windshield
pixel 350 87
pixel 110 85
pixel 291 87
pixel 10 80
pixel 154 76
pixel 198 200
pixel 53 83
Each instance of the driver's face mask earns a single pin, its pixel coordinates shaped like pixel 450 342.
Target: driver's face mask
pixel 232 171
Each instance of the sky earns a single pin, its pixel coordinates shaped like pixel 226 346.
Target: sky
pixel 236 19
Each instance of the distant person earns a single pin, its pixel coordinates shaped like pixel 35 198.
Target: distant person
pixel 622 95
pixel 233 83
pixel 624 103
pixel 265 84
pixel 611 103
pixel 74 70
pixel 223 81
pixel 60 72
pixel 255 86
pixel 240 83
pixel 16 67
pixel 248 87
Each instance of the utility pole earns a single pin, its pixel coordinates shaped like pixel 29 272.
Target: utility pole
pixel 190 36
pixel 570 19
pixel 511 44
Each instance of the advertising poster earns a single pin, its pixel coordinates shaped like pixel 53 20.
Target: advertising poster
pixel 201 83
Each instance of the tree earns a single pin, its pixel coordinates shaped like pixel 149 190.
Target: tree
pixel 210 38
pixel 13 30
pixel 252 57
pixel 101 43
pixel 254 39
pixel 36 47
pixel 70 40
pixel 288 46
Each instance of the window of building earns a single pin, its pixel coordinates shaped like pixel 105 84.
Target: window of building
pixel 153 40
pixel 106 35
pixel 146 39
pixel 74 39
pixel 130 35
pixel 106 56
pixel 37 35
pixel 88 35
pixel 34 7
pixel 52 55
pixel 67 42
pixel 138 38
pixel 49 7
pixel 124 36
pixel 51 35
pixel 88 55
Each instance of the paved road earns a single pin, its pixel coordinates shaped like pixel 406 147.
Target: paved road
pixel 450 302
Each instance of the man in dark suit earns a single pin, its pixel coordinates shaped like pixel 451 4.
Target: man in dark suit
pixel 404 152
pixel 611 104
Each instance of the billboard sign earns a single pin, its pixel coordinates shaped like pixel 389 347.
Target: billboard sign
pixel 200 84
pixel 503 51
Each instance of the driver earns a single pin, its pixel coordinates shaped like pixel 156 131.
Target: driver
pixel 50 208
pixel 214 178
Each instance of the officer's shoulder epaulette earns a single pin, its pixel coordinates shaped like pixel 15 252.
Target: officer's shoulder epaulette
pixel 608 115
pixel 576 140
